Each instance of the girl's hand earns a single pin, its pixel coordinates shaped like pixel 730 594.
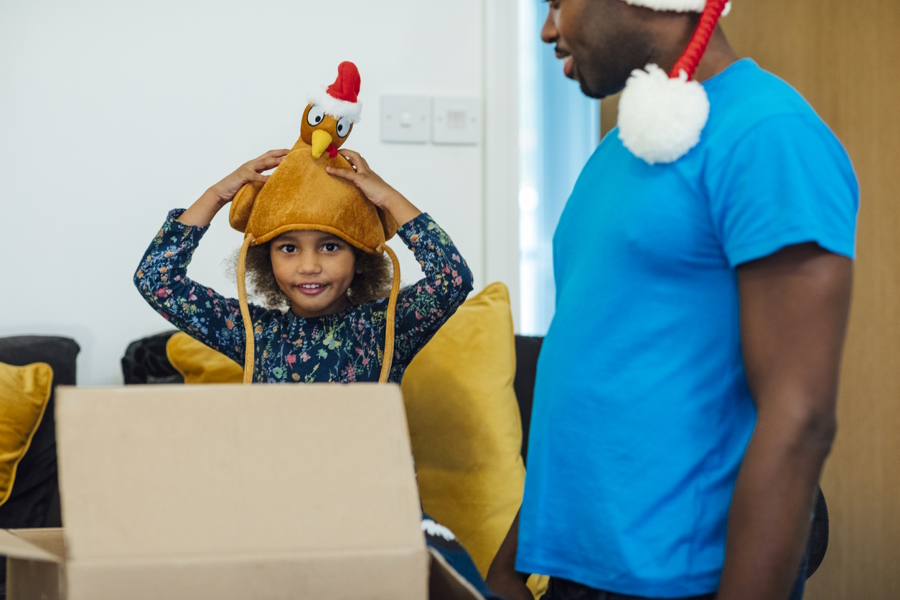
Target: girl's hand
pixel 374 188
pixel 206 207
pixel 249 172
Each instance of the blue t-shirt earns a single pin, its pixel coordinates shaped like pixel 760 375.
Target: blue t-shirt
pixel 642 411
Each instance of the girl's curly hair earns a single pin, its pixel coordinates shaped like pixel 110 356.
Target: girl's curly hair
pixel 371 283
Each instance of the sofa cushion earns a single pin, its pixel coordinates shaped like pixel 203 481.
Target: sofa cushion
pixel 464 424
pixel 34 501
pixel 145 361
pixel 198 363
pixel 24 393
pixel 527 351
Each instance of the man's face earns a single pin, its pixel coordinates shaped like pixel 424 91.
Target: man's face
pixel 600 42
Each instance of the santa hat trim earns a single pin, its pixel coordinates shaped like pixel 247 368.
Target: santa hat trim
pixel 334 107
pixel 676 5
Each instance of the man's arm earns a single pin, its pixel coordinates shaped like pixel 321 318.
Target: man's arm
pixel 794 307
pixel 502 577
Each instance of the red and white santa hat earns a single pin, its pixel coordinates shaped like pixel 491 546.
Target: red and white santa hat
pixel 340 98
pixel 661 116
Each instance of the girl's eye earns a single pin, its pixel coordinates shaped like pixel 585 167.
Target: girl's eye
pixel 288 248
pixel 330 247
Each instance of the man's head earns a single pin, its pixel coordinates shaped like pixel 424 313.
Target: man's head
pixel 602 41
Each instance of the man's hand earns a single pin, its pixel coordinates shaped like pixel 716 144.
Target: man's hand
pixel 502 577
pixel 794 308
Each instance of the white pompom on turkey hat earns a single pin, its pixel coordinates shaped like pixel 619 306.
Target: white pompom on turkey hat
pixel 661 116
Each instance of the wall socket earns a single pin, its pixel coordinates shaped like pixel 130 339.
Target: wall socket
pixel 406 119
pixel 456 120
pixel 443 120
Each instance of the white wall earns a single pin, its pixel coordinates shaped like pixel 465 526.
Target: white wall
pixel 111 113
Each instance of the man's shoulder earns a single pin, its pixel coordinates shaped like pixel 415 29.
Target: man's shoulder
pixel 745 96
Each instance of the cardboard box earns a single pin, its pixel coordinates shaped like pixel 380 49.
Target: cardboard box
pixel 266 491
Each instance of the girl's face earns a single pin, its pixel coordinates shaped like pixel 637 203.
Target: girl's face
pixel 315 270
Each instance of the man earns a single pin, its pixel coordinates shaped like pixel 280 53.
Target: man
pixel 685 396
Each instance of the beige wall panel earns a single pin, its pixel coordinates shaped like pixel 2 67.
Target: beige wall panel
pixel 844 57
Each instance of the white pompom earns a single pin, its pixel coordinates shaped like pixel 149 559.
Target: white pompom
pixel 660 119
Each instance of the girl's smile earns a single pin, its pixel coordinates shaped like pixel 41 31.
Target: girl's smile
pixel 311 289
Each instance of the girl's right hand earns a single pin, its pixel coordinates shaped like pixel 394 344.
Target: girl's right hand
pixel 249 172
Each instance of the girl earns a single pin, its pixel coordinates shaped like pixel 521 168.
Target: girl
pixel 324 319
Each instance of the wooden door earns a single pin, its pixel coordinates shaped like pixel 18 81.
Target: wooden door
pixel 844 57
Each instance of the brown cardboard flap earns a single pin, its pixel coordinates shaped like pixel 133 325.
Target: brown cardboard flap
pixel 228 470
pixel 444 583
pixel 50 539
pixel 386 576
pixel 34 580
pixel 13 546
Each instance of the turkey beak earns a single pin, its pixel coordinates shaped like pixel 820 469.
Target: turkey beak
pixel 320 142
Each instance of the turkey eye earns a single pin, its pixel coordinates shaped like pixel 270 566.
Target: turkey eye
pixel 315 115
pixel 343 127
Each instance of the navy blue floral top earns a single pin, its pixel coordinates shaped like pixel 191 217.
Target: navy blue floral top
pixel 343 347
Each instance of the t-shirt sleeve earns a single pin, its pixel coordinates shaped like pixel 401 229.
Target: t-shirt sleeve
pixel 787 181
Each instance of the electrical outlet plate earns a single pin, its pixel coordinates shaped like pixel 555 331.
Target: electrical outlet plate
pixel 457 120
pixel 405 119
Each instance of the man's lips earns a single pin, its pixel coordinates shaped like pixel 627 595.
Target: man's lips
pixel 568 63
pixel 310 289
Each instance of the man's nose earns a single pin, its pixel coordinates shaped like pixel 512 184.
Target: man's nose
pixel 549 34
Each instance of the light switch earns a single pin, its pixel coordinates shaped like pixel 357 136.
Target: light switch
pixel 457 120
pixel 405 119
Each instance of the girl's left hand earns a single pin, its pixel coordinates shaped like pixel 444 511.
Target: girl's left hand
pixel 375 188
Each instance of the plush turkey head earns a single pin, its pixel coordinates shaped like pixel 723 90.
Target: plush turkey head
pixel 332 111
pixel 323 131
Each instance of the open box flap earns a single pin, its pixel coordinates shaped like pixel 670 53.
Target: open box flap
pixel 225 470
pixel 445 583
pixel 13 546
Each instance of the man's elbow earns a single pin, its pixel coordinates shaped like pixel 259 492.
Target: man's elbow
pixel 819 433
pixel 811 429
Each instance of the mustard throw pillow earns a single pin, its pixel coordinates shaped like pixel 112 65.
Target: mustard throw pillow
pixel 465 426
pixel 199 363
pixel 24 393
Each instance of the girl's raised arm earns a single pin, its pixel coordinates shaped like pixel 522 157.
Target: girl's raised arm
pixel 161 276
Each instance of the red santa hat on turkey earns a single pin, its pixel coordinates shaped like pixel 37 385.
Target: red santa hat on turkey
pixel 661 116
pixel 340 99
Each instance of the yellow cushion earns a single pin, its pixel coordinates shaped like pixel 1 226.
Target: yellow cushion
pixel 538 585
pixel 465 426
pixel 24 393
pixel 199 363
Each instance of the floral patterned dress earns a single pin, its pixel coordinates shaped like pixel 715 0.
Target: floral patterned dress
pixel 342 347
